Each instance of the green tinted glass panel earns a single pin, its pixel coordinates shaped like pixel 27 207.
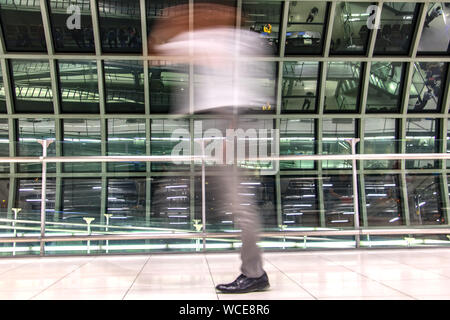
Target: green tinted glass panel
pixel 78 86
pixel 335 133
pixel 124 84
pixel 426 91
pixel 81 138
pixel 350 33
pixel 380 137
pixel 120 26
pixel 71 24
pixel 435 37
pixel 32 86
pixel 300 91
pixel 342 89
pixel 396 28
pixel 306 28
pixel 126 137
pixel 421 137
pixel 385 86
pixel 22 26
pixel 297 137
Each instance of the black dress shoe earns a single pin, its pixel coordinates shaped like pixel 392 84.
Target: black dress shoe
pixel 245 284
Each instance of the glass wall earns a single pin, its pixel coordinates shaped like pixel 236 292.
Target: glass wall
pixel 385 86
pixel 342 89
pixel 81 138
pixel 425 93
pixel 350 32
pixel 120 26
pixel 396 28
pixel 424 200
pixel 22 26
pixel 335 133
pixel 126 137
pixel 115 100
pixel 306 27
pixel 71 26
pixel 299 201
pixel 32 86
pixel 169 87
pixel 124 85
pixel 383 205
pixel 2 94
pixel 264 18
pixel 421 137
pixel 381 137
pixel 297 137
pixel 433 40
pixel 300 90
pixel 78 86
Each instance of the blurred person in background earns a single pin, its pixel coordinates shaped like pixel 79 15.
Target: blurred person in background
pixel 229 83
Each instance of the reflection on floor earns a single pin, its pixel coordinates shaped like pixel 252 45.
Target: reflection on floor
pixel 356 274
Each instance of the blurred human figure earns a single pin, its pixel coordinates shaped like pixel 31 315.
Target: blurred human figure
pixel 436 12
pixel 422 102
pixel 314 11
pixel 228 82
pixel 112 38
pixel 307 102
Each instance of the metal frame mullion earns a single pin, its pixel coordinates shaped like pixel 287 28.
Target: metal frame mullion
pixel 96 27
pixel 283 28
pixel 47 27
pixel 329 33
pixel 418 29
pixel 373 34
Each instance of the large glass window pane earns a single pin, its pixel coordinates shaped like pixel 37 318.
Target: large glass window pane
pixel 350 32
pixel 335 132
pixel 28 198
pixel 124 84
pixel 164 139
pixel 126 201
pixel 4 196
pixel 32 86
pixel 297 137
pixel 81 138
pixel 264 18
pixel 342 88
pixel 2 94
pixel 22 26
pixel 435 37
pixel 4 143
pixel 385 86
pixel 306 27
pixel 300 92
pixel 220 215
pixel 169 87
pixel 78 86
pixel 426 91
pixel 380 137
pixel 120 26
pixel 81 197
pixel 170 202
pixel 29 131
pixel 396 28
pixel 299 201
pixel 424 199
pixel 383 200
pixel 338 200
pixel 71 30
pixel 157 11
pixel 126 137
pixel 421 137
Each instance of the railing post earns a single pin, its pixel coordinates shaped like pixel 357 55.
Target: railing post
pixel 203 195
pixel 353 142
pixel 44 144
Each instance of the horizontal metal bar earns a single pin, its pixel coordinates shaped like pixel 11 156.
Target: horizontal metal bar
pixel 384 156
pixel 200 235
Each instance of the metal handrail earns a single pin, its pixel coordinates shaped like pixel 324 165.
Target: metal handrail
pixel 357 231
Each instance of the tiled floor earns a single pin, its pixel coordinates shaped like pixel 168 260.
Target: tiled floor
pixel 353 274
